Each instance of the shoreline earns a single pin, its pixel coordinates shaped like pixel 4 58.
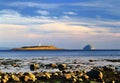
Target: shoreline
pixel 23 63
pixel 62 50
pixel 47 66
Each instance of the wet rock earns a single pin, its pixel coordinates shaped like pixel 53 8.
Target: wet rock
pixel 15 78
pixel 29 77
pixel 26 78
pixel 113 60
pixel 70 78
pixel 91 60
pixel 113 81
pixel 10 61
pixel 84 71
pixel 47 75
pixel 110 75
pixel 95 74
pixel 53 65
pixel 73 80
pixel 67 76
pixel 4 81
pixel 62 67
pixel 85 77
pixel 5 78
pixel 80 79
pixel 80 74
pixel 15 65
pixel 34 67
pixel 108 68
pixel 44 76
pixel 20 74
pixel 55 74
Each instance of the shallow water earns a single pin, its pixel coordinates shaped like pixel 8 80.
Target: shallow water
pixel 62 56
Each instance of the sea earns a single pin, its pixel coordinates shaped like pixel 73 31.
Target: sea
pixel 105 54
pixel 81 57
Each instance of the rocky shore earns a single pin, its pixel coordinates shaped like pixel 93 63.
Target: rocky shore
pixel 41 70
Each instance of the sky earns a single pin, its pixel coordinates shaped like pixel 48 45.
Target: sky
pixel 68 24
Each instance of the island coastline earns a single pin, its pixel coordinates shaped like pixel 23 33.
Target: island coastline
pixel 45 47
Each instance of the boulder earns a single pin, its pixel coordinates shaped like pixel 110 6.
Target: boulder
pixel 53 65
pixel 15 78
pixel 85 77
pixel 28 76
pixel 4 81
pixel 96 74
pixel 47 75
pixel 55 74
pixel 108 68
pixel 20 74
pixel 67 76
pixel 31 76
pixel 34 67
pixel 62 67
pixel 5 78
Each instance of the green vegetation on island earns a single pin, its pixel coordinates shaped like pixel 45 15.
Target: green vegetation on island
pixel 45 47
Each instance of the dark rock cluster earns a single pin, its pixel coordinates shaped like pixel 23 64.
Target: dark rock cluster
pixel 96 75
pixel 66 73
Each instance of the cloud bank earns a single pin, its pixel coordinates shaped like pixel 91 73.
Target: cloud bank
pixel 63 26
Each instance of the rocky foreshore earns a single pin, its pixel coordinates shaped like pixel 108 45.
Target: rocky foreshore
pixel 36 71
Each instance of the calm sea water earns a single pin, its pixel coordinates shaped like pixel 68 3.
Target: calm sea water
pixel 60 53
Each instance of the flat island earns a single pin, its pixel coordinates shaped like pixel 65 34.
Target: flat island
pixel 45 47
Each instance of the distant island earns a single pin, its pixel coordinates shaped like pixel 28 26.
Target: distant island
pixel 89 47
pixel 45 47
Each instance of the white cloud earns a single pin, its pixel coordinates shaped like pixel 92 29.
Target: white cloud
pixel 55 5
pixel 9 12
pixel 15 26
pixel 107 6
pixel 70 13
pixel 65 17
pixel 13 17
pixel 11 26
pixel 34 4
pixel 33 36
pixel 43 12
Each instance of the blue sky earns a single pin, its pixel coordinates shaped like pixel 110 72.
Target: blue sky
pixel 64 23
